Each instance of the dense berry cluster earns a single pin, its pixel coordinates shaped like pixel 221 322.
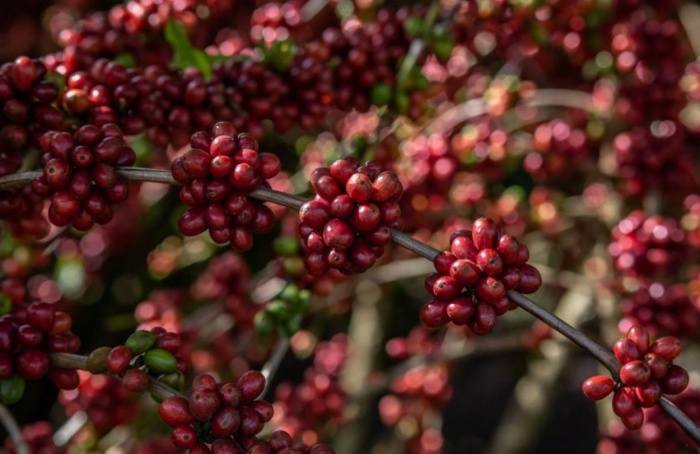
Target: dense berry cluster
pixel 26 100
pixel 225 417
pixel 79 174
pixel 218 172
pixel 647 372
pixel 472 278
pixel 644 245
pixel 663 309
pixel 148 353
pixel 104 400
pixel 659 435
pixel 27 336
pixel 317 403
pixel 417 397
pixel 39 439
pixel 349 221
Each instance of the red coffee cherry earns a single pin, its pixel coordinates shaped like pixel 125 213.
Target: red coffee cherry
pixel 667 347
pixel 640 337
pixel 635 373
pixel 624 401
pixel 175 411
pixel 598 387
pixel 118 359
pixel 634 420
pixel 626 350
pixel 225 422
pixel 251 385
pixel 675 381
pixel 184 436
pixel 204 403
pixel 648 393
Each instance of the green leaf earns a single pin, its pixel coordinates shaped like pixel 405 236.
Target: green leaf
pixel 126 59
pixel 186 55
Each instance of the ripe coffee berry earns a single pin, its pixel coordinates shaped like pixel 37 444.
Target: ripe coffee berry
pixel 481 266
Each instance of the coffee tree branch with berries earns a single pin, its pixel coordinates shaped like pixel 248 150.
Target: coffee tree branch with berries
pixel 199 200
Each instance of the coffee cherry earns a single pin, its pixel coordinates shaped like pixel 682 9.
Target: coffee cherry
pixel 203 404
pixel 626 350
pixel 338 234
pixel 12 389
pixel 175 411
pixel 490 290
pixel 648 393
pixel 140 341
pixel 598 387
pixel 464 248
pixel 465 272
pixel 484 233
pixel 230 394
pixel 634 420
pixel 640 337
pixel 315 214
pixel 32 364
pixel 42 316
pixel 225 422
pixel 135 380
pixel 446 288
pixel 184 436
pixel 667 347
pixel 359 188
pixel 657 365
pixel 251 385
pixel 675 381
pixel 160 361
pixel 490 262
pixel 530 279
pixel 434 314
pixel 624 401
pixel 118 359
pixel 635 373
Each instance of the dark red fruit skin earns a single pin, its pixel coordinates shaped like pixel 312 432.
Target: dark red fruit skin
pixel 530 279
pixel 359 188
pixel 314 214
pixel 203 404
pixel 667 347
pixel 118 359
pixel 135 380
pixel 464 248
pixel 626 350
pixel 175 411
pixel 635 373
pixel 263 409
pixel 640 337
pixel 230 394
pixel 32 364
pixel 223 446
pixel 443 261
pixel 624 401
pixel 490 289
pixel 634 420
pixel 675 381
pixel 184 436
pixel 434 314
pixel 598 387
pixel 225 422
pixel 41 316
pixel 657 365
pixel 446 288
pixel 484 233
pixel 648 393
pixel 465 272
pixel 490 262
pixel 251 385
pixel 66 379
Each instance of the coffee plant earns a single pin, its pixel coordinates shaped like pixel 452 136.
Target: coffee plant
pixel 310 226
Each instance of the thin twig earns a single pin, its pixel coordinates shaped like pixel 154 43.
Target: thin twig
pixel 270 368
pixel 13 429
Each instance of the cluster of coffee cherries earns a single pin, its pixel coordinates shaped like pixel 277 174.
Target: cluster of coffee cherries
pixel 647 372
pixel 39 439
pixel 27 336
pixel 661 434
pixel 144 353
pixel 647 246
pixel 225 417
pixel 217 173
pixel 283 312
pixel 80 175
pixel 103 399
pixel 349 221
pixel 472 278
